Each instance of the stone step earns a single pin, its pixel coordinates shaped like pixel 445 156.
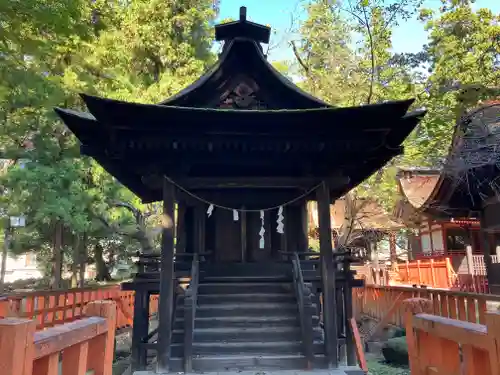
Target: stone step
pixel 247 348
pixel 238 363
pixel 245 321
pixel 245 279
pixel 247 269
pixel 244 288
pixel 242 309
pixel 246 334
pixel 212 299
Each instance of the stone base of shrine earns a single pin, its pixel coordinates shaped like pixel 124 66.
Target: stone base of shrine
pixel 347 370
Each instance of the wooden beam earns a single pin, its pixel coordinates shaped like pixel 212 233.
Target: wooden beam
pixel 194 183
pixel 166 278
pixel 327 275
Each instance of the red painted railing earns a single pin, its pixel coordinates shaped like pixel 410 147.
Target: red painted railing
pixel 440 345
pixel 55 307
pixel 72 348
pixel 434 273
pixel 375 301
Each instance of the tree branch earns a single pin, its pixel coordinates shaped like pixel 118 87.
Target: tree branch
pixel 299 59
pixel 372 57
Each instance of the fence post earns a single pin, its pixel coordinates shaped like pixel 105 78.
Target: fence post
pixel 413 306
pixel 492 320
pixel 470 267
pixel 102 348
pixel 433 273
pixel 4 307
pixel 16 346
pixel 407 271
pixel 449 272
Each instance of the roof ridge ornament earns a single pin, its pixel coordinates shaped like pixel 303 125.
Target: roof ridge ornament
pixel 243 14
pixel 242 29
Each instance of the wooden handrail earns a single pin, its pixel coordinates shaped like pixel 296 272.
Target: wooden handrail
pixel 193 255
pixel 87 344
pixel 374 300
pixel 190 303
pixel 305 305
pixel 54 307
pixel 443 345
pixel 178 255
pixel 453 293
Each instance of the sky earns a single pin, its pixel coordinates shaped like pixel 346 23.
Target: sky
pixel 409 36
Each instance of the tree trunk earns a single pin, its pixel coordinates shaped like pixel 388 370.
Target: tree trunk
pixel 57 256
pixel 5 252
pixel 349 220
pixel 82 259
pixel 101 267
pixel 74 263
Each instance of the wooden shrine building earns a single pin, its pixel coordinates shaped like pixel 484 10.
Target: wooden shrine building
pixel 456 207
pixel 239 153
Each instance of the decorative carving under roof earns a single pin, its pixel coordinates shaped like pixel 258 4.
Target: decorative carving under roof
pixel 244 95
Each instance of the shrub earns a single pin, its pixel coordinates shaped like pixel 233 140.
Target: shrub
pixel 395 351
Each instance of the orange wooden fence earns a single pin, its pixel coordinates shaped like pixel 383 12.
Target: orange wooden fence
pixel 375 301
pixel 438 345
pixel 435 273
pixel 83 345
pixel 54 307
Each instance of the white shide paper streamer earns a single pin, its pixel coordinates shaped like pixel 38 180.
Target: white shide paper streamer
pixel 280 228
pixel 262 231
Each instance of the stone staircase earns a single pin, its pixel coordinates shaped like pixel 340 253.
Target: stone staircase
pixel 246 319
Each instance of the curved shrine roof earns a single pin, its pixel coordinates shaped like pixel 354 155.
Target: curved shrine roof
pixel 467 177
pixel 243 59
pixel 369 216
pixel 240 120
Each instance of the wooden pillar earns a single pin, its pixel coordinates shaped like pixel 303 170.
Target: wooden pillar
pixel 268 248
pixel 392 247
pixel 375 263
pixel 166 278
pixel 328 274
pixel 139 329
pixel 17 347
pixel 486 249
pixel 243 223
pixel 348 308
pixel 200 225
pixel 181 227
pixel 284 236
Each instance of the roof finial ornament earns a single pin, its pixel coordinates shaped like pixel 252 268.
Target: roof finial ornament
pixel 243 29
pixel 243 14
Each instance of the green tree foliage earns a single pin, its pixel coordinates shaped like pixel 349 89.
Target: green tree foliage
pixel 463 62
pixel 139 50
pixel 344 52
